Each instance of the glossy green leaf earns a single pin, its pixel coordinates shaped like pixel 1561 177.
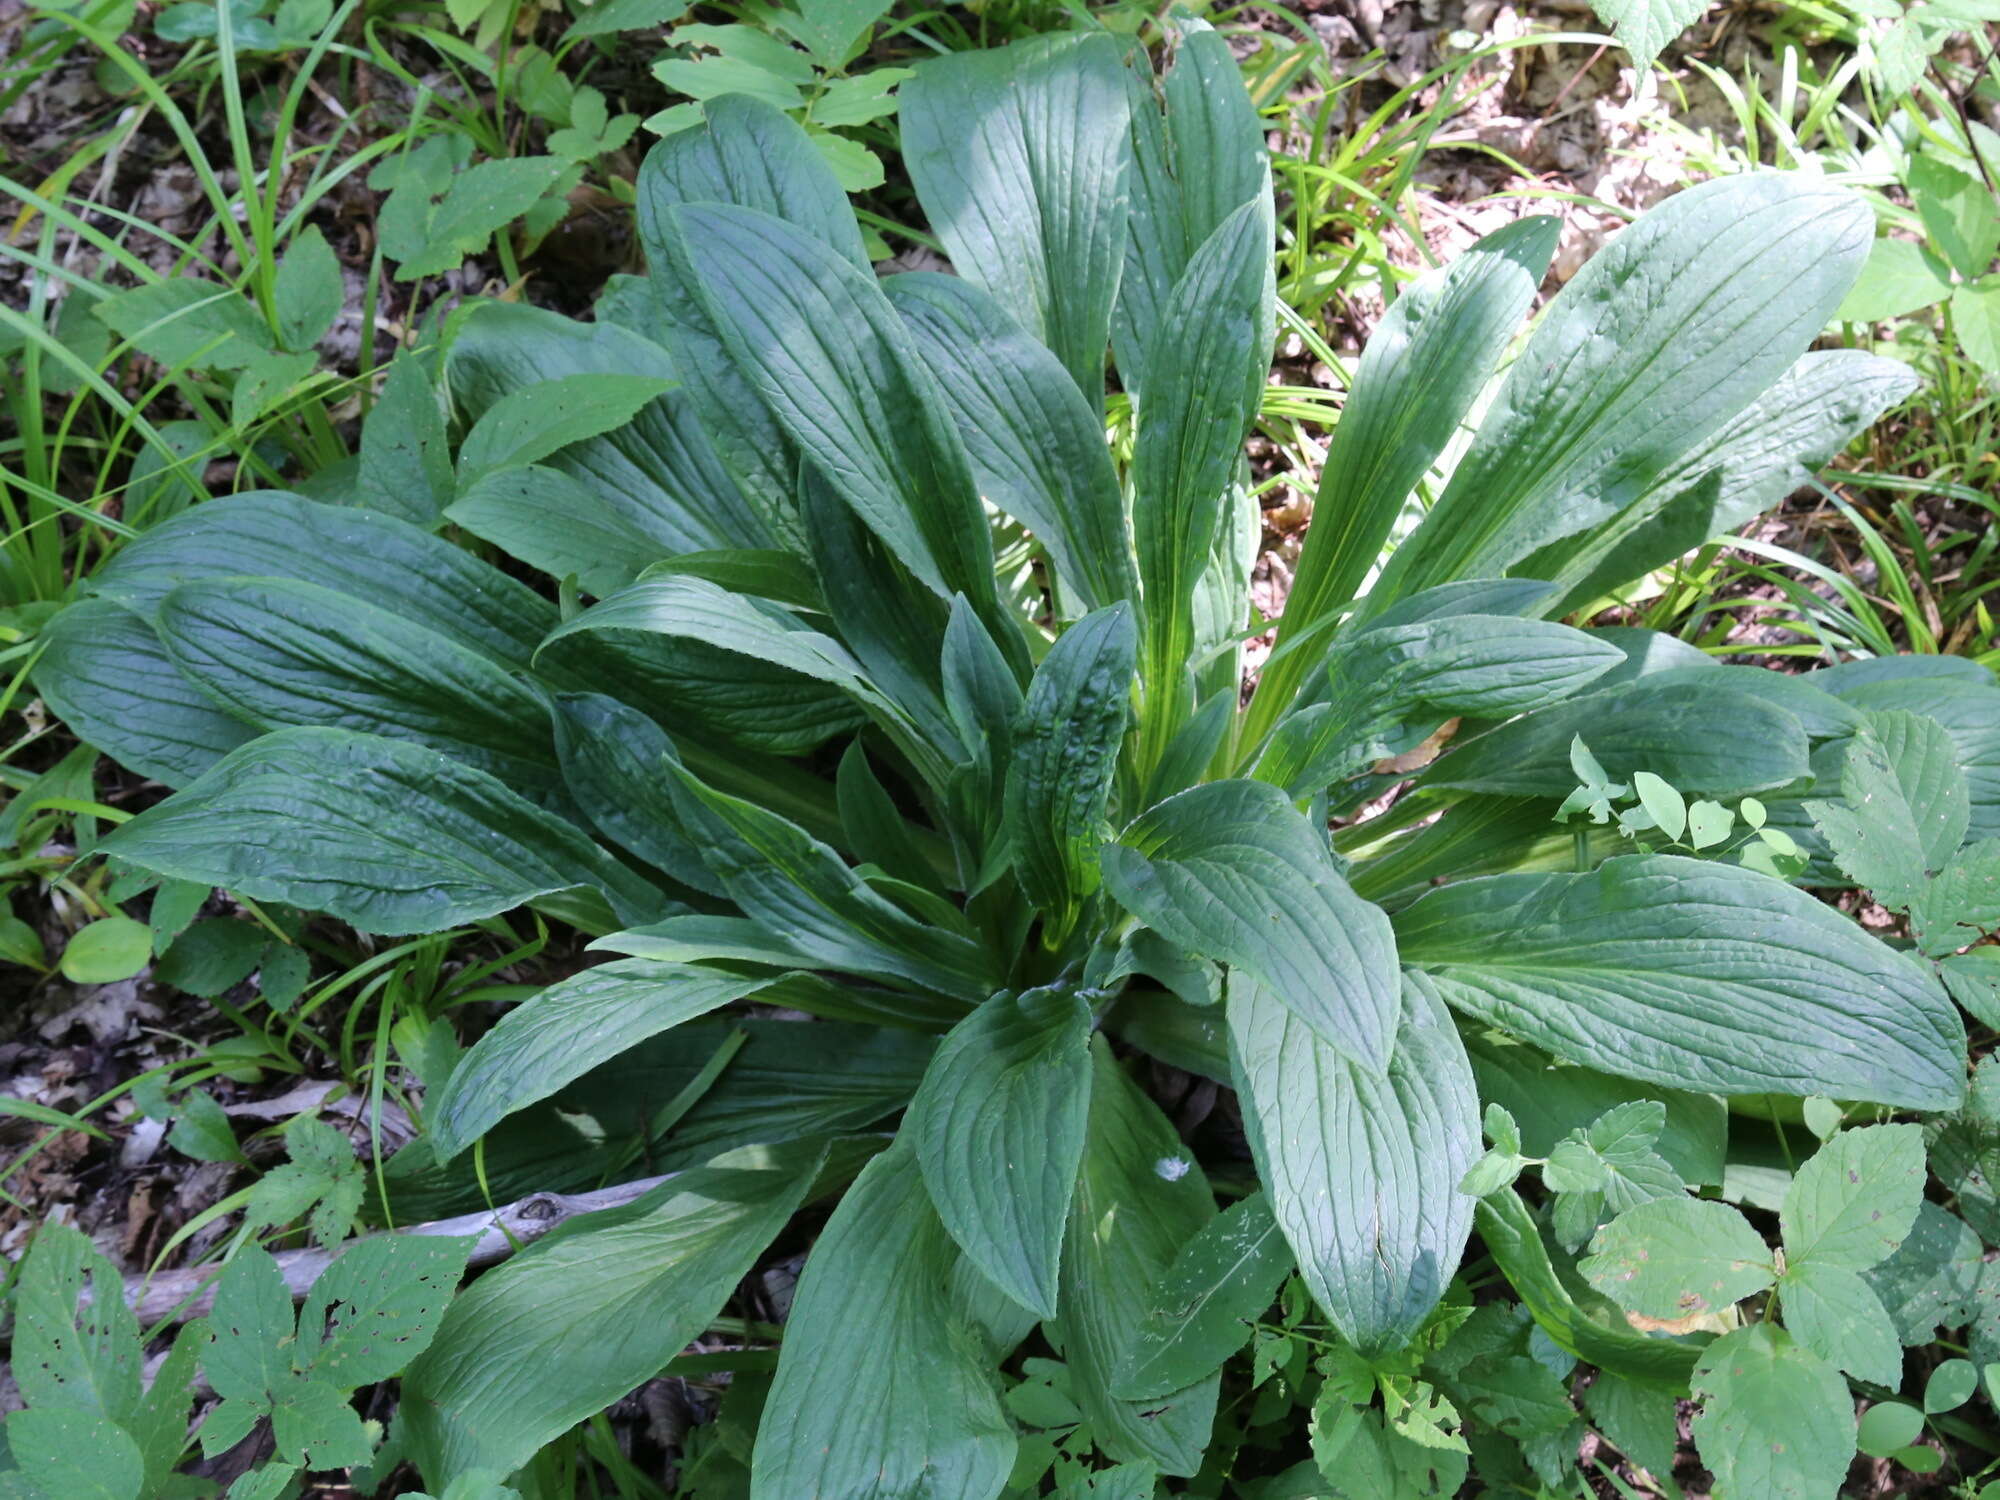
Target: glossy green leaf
pixel 833 363
pixel 1139 1199
pixel 528 425
pixel 1678 1258
pixel 385 835
pixel 1231 871
pixel 1036 446
pixel 1362 1170
pixel 590 1311
pixel 1206 360
pixel 104 671
pixel 1018 155
pixel 999 1130
pixel 1059 778
pixel 1706 738
pixel 1192 167
pixel 1776 1421
pixel 1746 466
pixel 1692 974
pixel 277 652
pixel 1673 328
pixel 558 1035
pixel 1424 367
pixel 882 1391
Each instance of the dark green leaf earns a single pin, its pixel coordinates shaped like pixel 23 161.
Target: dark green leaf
pixel 1691 974
pixel 999 1130
pixel 591 1311
pixel 1065 758
pixel 1231 871
pixel 1139 1199
pixel 528 425
pixel 1219 1282
pixel 1018 155
pixel 881 1390
pixel 385 835
pixel 557 1036
pixel 405 468
pixel 1362 1170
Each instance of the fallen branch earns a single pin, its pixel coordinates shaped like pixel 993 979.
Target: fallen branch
pixel 181 1295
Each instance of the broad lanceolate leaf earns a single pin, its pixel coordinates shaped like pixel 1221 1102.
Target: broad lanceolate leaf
pixel 1425 365
pixel 613 763
pixel 1019 155
pixel 1191 169
pixel 1678 324
pixel 1857 1199
pixel 1765 452
pixel 591 1311
pixel 1231 871
pixel 753 155
pixel 658 479
pixel 1705 737
pixel 1139 1199
pixel 1206 361
pixel 833 363
pixel 1904 807
pixel 277 652
pixel 882 1391
pixel 999 1127
pixel 1362 1170
pixel 1036 445
pixel 553 1038
pixel 536 421
pixel 1389 687
pixel 104 671
pixel 1065 758
pixel 1692 974
pixel 1222 1279
pixel 1777 1422
pixel 380 833
pixel 1678 1258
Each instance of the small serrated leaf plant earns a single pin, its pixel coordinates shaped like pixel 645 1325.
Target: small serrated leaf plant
pixel 871 682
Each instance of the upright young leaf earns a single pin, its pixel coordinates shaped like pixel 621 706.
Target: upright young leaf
pixel 1036 446
pixel 1668 332
pixel 1362 1169
pixel 1206 360
pixel 833 363
pixel 660 477
pixel 999 1126
pixel 612 763
pixel 1065 759
pixel 1139 1199
pixel 1692 974
pixel 405 468
pixel 1231 871
pixel 380 833
pixel 1424 367
pixel 1192 167
pixel 76 1343
pixel 592 1310
pixel 1018 155
pixel 882 1391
